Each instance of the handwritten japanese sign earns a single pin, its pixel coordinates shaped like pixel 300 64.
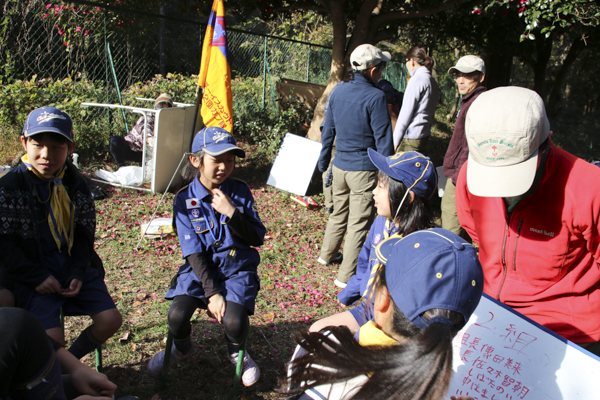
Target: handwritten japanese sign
pixel 502 355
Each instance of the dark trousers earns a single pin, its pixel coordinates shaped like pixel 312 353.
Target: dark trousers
pixel 119 148
pixel 235 320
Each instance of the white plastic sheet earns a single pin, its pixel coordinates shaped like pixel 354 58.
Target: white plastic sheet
pixel 127 176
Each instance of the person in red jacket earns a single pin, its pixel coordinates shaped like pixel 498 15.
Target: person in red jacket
pixel 534 211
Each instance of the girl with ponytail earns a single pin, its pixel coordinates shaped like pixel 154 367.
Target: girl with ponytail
pixel 421 97
pixel 406 182
pixel 427 286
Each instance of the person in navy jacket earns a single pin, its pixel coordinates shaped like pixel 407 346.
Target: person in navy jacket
pixel 358 120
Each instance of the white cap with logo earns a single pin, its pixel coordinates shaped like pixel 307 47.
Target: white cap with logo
pixel 367 56
pixel 505 128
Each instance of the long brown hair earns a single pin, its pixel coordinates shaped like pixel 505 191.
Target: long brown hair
pixel 419 54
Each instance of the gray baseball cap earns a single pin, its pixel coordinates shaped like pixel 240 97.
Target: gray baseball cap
pixel 505 128
pixel 468 64
pixel 366 56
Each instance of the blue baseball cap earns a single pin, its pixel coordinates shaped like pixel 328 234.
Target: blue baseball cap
pixel 48 119
pixel 216 141
pixel 392 96
pixel 413 169
pixel 431 268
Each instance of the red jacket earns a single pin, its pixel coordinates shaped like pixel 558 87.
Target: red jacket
pixel 542 259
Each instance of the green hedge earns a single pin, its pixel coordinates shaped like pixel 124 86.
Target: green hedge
pixel 94 126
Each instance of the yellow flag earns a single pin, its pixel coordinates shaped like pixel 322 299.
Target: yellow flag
pixel 215 74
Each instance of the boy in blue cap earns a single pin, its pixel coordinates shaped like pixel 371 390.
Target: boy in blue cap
pixel 47 235
pixel 429 284
pixel 218 227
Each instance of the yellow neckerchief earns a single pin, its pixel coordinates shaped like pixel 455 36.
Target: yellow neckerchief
pixel 61 217
pixel 370 335
pixel 386 234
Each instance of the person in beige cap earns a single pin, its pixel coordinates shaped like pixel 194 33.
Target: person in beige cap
pixel 357 119
pixel 469 73
pixel 534 211
pixel 129 148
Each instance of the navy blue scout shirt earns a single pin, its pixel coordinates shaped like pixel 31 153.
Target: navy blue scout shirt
pixel 358 119
pixel 233 264
pixel 360 282
pixel 54 259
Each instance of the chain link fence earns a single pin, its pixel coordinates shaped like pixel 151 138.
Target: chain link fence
pixel 111 58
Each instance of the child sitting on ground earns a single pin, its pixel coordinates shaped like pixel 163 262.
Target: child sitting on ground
pixel 47 235
pixel 406 182
pixel 428 285
pixel 217 224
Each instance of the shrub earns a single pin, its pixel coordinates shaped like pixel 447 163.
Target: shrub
pixel 18 98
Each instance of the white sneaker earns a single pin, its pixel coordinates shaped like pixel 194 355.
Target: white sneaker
pixel 340 284
pixel 250 371
pixel 336 260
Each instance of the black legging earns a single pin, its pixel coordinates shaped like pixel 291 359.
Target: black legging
pixel 235 320
pixel 27 356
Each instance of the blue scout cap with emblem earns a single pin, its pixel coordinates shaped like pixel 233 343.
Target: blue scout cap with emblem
pixel 392 96
pixel 48 119
pixel 432 268
pixel 413 169
pixel 215 141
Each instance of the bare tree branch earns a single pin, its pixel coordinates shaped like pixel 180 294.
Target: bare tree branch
pixel 399 15
pixel 305 8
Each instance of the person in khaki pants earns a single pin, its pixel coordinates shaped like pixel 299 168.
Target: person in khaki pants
pixel 469 73
pixel 357 119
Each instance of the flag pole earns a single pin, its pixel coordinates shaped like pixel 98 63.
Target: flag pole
pixel 199 94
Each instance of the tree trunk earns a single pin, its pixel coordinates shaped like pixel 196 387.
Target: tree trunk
pixel 552 106
pixel 543 47
pixel 341 55
pixel 498 68
pixel 338 22
pixel 452 115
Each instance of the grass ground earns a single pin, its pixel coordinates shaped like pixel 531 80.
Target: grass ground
pixel 295 289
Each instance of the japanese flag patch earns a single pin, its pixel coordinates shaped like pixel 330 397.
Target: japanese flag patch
pixel 192 203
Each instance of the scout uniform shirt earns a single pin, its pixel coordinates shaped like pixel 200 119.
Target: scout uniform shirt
pixel 202 230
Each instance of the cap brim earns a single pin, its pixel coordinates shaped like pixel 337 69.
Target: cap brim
pixel 464 70
pixel 37 131
pixel 386 56
pixel 222 149
pixel 378 160
pixel 507 181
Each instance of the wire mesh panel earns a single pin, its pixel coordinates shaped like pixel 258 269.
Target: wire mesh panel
pixel 77 54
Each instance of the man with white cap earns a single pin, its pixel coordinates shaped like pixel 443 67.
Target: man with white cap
pixel 469 73
pixel 534 210
pixel 358 120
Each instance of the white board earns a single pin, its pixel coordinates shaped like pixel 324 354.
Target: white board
pixel 502 355
pixel 295 164
pixel 172 133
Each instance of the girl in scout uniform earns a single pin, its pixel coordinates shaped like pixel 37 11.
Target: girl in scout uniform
pixel 217 224
pixel 406 182
pixel 427 287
